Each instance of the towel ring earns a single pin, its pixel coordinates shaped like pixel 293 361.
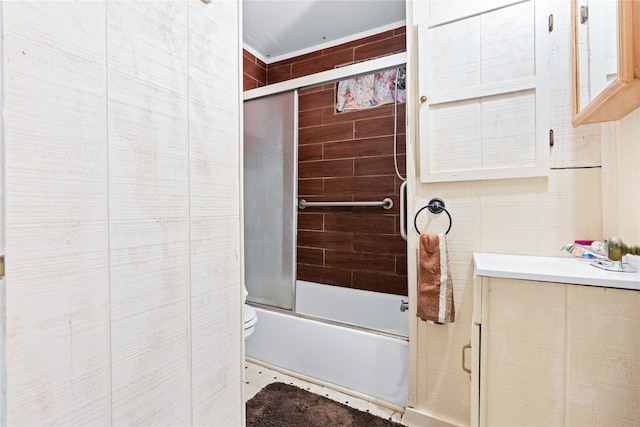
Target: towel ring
pixel 435 206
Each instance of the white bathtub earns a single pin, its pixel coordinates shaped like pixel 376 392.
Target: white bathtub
pixel 366 362
pixel 372 310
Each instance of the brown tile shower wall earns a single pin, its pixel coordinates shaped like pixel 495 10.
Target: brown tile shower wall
pixel 346 157
pixel 349 157
pixel 254 71
pixel 382 44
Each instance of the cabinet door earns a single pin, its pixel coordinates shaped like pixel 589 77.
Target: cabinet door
pixel 522 353
pixel 603 357
pixel 483 86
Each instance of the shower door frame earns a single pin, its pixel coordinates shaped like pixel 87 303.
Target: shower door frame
pixel 270 197
pixel 324 77
pixel 330 76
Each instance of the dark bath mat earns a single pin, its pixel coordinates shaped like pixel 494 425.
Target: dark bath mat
pixel 284 405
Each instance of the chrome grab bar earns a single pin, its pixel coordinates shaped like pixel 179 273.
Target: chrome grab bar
pixel 387 203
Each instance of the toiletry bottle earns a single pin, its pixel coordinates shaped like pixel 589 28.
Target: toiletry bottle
pixel 580 252
pixel 599 247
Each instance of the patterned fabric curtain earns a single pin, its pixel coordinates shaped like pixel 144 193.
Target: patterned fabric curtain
pixel 371 90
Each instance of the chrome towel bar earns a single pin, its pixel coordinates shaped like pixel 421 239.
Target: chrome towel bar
pixel 387 203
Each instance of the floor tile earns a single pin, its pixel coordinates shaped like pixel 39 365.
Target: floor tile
pixel 257 377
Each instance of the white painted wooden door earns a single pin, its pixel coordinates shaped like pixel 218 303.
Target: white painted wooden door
pixel 483 91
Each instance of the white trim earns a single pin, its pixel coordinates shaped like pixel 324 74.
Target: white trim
pixel 486 174
pixel 328 76
pixel 481 91
pixel 411 174
pixel 471 10
pixel 414 417
pixel 332 43
pixel 3 281
pixel 242 289
pixel 253 52
pixel 543 93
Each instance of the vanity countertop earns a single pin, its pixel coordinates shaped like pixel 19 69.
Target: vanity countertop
pixel 552 269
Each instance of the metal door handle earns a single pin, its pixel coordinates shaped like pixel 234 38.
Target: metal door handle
pixel 464 359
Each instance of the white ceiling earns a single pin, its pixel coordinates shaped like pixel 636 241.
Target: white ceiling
pixel 280 29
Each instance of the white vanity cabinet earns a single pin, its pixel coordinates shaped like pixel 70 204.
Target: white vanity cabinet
pixel 521 353
pixel 555 354
pixel 602 368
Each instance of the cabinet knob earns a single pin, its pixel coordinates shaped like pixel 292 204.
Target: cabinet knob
pixel 423 99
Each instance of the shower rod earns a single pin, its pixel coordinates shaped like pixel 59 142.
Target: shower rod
pixel 386 203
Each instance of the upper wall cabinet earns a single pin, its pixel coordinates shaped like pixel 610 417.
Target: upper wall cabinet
pixel 606 59
pixel 483 88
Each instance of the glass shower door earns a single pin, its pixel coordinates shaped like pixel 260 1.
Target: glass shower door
pixel 270 189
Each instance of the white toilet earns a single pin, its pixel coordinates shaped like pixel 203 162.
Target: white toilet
pixel 250 316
